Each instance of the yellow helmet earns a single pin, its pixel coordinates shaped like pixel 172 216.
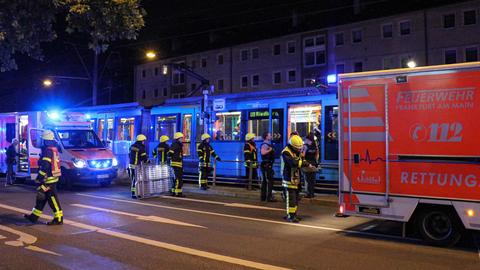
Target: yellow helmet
pixel 164 138
pixel 205 136
pixel 141 138
pixel 296 141
pixel 47 135
pixel 178 135
pixel 249 136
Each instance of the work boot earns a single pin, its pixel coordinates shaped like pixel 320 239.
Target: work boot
pixel 55 221
pixel 292 218
pixel 203 188
pixel 31 218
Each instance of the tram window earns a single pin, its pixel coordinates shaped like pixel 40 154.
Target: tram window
pixel 101 125
pixel 331 133
pixel 258 123
pixel 110 129
pixel 199 129
pixel 304 119
pixel 165 125
pixel 187 132
pixel 126 129
pixel 227 126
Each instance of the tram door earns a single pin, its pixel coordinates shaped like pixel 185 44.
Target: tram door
pixel 305 119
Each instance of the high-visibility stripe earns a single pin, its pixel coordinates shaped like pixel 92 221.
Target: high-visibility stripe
pixel 51 180
pixel 136 158
pixel 42 173
pixel 58 214
pixel 170 151
pixel 247 151
pixel 289 185
pixel 135 149
pixel 292 210
pixel 134 189
pixel 143 154
pixel 176 164
pixel 36 212
pixel 47 159
pixel 55 204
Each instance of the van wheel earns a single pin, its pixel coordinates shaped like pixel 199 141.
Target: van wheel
pixel 439 226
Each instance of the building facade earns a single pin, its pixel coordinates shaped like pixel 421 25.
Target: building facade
pixel 441 35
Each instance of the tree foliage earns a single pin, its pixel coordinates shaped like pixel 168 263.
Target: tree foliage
pixel 25 24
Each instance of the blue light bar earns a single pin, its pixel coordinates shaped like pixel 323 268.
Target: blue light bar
pixel 53 115
pixel 332 79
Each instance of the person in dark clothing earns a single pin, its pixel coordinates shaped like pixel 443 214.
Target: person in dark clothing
pixel 176 157
pixel 311 154
pixel 138 155
pixel 268 157
pixel 48 174
pixel 160 152
pixel 251 158
pixel 205 152
pixel 11 161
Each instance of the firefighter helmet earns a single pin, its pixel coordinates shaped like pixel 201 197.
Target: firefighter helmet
pixel 164 138
pixel 141 138
pixel 178 135
pixel 296 141
pixel 205 136
pixel 47 135
pixel 249 136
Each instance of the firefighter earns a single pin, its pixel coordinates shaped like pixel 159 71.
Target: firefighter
pixel 48 174
pixel 205 152
pixel 160 152
pixel 292 164
pixel 250 157
pixel 137 155
pixel 176 156
pixel 311 153
pixel 268 157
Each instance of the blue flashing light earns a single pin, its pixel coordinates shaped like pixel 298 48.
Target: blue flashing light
pixel 332 79
pixel 88 116
pixel 53 115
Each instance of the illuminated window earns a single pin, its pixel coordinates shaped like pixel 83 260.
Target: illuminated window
pixel 101 127
pixel 304 118
pixel 227 127
pixel 187 132
pixel 258 123
pixel 126 129
pixel 165 125
pixel 110 129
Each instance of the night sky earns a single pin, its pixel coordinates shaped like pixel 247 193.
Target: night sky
pixel 192 25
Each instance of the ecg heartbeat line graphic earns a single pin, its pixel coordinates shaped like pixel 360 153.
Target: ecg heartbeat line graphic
pixel 368 159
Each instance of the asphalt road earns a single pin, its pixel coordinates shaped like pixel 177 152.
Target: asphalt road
pixel 105 229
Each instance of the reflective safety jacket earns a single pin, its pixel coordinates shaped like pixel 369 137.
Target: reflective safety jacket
pixel 205 151
pixel 137 155
pixel 49 165
pixel 250 154
pixel 292 165
pixel 176 154
pixel 160 153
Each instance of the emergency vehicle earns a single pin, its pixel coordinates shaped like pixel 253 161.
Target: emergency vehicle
pixel 411 150
pixel 84 159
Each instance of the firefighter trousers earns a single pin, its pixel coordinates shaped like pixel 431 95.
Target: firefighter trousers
pixel 291 201
pixel 50 196
pixel 133 178
pixel 178 183
pixel 203 173
pixel 253 178
pixel 267 182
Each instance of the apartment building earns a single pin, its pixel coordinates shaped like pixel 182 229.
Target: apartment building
pixel 441 35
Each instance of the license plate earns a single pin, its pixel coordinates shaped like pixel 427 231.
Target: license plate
pixel 102 176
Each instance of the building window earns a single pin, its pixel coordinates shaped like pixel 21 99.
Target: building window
pixel 277 78
pixel 388 63
pixel 255 53
pixel 405 28
pixel 291 76
pixel 204 62
pixel 156 71
pixel 156 92
pixel 178 78
pixel 220 59
pixel 244 82
pixel 244 55
pixel 357 36
pixel 144 73
pixel 314 41
pixel 193 86
pixel 314 52
pixel 144 94
pixel 340 68
pixel 165 93
pixel 276 49
pixel 469 17
pixel 387 30
pixel 357 67
pixel 194 64
pixel 291 47
pixel 220 85
pixel 339 39
pixel 450 56
pixel 471 54
pixel 255 80
pixel 449 20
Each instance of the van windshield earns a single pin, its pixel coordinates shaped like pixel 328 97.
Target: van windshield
pixel 79 139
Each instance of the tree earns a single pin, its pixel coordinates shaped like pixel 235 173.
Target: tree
pixel 25 24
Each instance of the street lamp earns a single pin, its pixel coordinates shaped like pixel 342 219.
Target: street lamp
pixel 47 82
pixel 411 64
pixel 151 55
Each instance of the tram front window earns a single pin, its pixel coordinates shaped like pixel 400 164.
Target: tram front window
pixel 166 125
pixel 126 129
pixel 227 126
pixel 304 119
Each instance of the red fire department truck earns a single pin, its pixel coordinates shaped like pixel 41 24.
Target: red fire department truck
pixel 410 144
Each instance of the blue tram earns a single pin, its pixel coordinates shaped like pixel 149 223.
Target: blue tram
pixel 279 112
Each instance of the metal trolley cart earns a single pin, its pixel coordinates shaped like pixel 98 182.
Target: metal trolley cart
pixel 153 180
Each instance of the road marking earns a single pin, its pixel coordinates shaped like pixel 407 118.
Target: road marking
pixel 324 228
pixel 240 205
pixel 140 217
pixel 164 245
pixel 24 239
